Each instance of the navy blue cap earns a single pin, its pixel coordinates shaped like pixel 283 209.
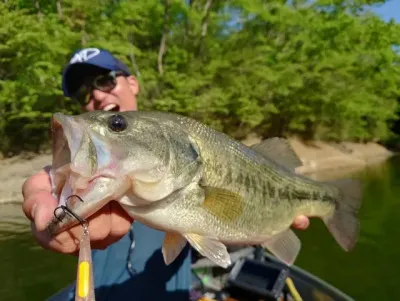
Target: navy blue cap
pixel 94 57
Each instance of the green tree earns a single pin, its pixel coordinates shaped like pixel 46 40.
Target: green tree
pixel 320 70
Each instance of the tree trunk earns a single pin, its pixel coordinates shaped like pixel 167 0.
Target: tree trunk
pixel 187 22
pixel 163 42
pixel 37 6
pixel 132 56
pixel 204 23
pixel 83 37
pixel 59 9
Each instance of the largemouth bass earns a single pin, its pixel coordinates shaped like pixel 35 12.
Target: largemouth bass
pixel 198 185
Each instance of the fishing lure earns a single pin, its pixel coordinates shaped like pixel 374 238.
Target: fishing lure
pixel 84 278
pixel 84 290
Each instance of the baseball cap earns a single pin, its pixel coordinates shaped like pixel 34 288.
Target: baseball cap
pixel 90 57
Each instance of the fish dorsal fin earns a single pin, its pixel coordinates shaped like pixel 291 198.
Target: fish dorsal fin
pixel 278 150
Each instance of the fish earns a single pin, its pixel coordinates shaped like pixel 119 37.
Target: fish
pixel 196 184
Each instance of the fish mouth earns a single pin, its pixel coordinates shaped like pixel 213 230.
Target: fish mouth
pixel 60 146
pixel 64 144
pixel 68 166
pixel 73 145
pixel 67 135
pixel 74 173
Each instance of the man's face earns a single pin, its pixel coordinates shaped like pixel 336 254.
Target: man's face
pixel 115 93
pixel 121 98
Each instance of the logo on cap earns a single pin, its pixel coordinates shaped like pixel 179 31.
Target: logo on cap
pixel 84 55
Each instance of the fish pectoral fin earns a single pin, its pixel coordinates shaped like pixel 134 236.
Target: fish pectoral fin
pixel 224 204
pixel 172 246
pixel 285 245
pixel 278 150
pixel 210 248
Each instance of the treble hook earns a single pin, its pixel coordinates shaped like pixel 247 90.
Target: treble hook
pixel 67 210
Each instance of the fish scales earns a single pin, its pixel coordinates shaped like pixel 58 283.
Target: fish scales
pixel 248 174
pixel 238 163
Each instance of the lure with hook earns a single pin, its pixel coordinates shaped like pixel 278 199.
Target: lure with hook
pixel 84 290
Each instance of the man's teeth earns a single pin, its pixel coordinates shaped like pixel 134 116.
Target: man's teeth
pixel 109 107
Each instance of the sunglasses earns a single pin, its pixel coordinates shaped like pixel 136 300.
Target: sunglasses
pixel 104 82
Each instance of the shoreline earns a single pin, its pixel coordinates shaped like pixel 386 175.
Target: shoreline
pixel 328 160
pixel 318 157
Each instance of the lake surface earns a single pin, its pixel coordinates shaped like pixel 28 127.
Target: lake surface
pixel 369 272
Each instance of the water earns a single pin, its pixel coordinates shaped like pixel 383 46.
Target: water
pixel 370 271
pixel 27 272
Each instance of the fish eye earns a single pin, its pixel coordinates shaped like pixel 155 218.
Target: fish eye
pixel 117 123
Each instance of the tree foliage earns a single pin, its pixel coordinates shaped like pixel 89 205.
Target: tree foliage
pixel 321 69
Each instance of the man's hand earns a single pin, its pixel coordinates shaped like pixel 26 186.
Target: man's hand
pixel 106 226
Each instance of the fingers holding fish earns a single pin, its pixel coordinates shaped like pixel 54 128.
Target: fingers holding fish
pixel 301 222
pixel 39 208
pixel 107 225
pixel 36 191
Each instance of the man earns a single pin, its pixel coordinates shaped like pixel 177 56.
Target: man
pixel 128 264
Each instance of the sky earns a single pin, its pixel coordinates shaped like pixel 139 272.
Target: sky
pixel 391 9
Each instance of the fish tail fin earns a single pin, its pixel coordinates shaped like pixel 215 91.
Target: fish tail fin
pixel 343 223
